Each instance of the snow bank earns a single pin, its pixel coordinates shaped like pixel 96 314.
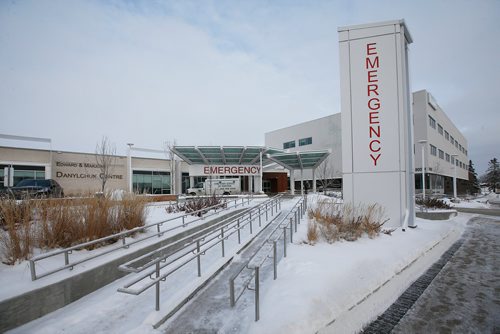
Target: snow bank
pixel 318 285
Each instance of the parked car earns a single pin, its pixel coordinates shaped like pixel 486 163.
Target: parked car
pixel 30 188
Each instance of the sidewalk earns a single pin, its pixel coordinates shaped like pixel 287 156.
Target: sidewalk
pixel 465 295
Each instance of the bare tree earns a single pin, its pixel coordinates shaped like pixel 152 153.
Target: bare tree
pixel 436 178
pixel 105 156
pixel 167 147
pixel 325 174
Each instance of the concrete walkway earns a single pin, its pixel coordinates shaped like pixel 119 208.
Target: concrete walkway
pixel 464 297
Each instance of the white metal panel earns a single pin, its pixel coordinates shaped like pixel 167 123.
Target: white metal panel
pixel 371 152
pixel 375 95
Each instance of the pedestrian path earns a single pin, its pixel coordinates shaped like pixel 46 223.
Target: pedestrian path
pixel 210 310
pixel 459 294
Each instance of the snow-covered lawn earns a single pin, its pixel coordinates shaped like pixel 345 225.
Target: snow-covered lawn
pixel 480 202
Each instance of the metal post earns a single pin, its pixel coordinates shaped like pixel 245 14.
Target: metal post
pixel 251 229
pixel 66 258
pixel 198 257
pixel 157 287
pixel 183 223
pixel 279 203
pixel 158 229
pixel 257 315
pixel 272 206
pixel 222 242
pixel 284 241
pixel 295 225
pixel 423 142
pixel 32 269
pixel 275 260
pixel 239 235
pixel 260 218
pixel 266 212
pixel 231 292
pixel 291 230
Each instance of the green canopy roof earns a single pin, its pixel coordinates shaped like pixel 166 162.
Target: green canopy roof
pixel 222 155
pixel 300 160
pixel 249 155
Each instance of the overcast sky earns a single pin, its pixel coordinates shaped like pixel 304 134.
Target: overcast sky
pixel 226 72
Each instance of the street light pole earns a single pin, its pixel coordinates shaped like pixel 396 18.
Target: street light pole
pixel 423 142
pixel 129 166
pixel 454 175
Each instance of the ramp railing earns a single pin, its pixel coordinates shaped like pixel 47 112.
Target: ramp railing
pixel 267 250
pixel 155 267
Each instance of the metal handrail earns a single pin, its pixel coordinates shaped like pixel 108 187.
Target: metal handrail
pixel 297 210
pixel 121 236
pixel 197 247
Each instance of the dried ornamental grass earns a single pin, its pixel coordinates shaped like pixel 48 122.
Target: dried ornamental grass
pixel 16 238
pixel 64 223
pixel 336 221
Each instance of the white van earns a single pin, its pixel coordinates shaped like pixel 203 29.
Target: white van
pixel 216 187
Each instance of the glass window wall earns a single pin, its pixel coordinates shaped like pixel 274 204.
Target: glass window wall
pixel 150 182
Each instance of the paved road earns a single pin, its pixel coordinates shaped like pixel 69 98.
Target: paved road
pixel 488 212
pixel 465 296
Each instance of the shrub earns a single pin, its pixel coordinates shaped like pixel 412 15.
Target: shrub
pixel 197 204
pixel 433 203
pixel 16 241
pixel 334 221
pixel 63 223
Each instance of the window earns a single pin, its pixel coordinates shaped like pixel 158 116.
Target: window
pixel 289 144
pixel 452 160
pixel 456 144
pixel 440 129
pixel 446 135
pixel 28 172
pixel 433 150
pixel 447 157
pixel 460 148
pixel 432 122
pixel 451 140
pixel 151 182
pixel 305 141
pixel 441 154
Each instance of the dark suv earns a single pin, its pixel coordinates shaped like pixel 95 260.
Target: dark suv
pixel 30 188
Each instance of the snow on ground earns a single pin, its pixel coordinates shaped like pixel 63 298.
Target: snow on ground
pixel 18 277
pixel 316 285
pixel 483 201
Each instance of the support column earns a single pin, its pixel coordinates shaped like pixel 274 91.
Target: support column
pixel 302 182
pixel 191 181
pixel 292 182
pixel 250 183
pixel 314 180
pixel 258 184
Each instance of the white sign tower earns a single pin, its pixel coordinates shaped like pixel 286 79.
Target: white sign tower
pixel 377 126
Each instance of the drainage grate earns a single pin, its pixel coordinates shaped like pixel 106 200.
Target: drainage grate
pixel 390 318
